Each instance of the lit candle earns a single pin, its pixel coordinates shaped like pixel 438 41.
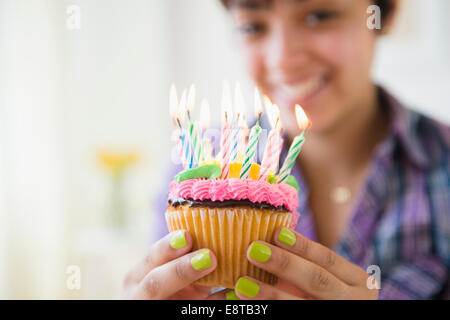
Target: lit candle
pixel 238 130
pixel 225 139
pixel 242 124
pixel 252 139
pixel 186 141
pixel 193 132
pixel 204 125
pixel 274 142
pixel 303 123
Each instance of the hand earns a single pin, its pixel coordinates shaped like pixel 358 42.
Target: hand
pixel 167 272
pixel 306 267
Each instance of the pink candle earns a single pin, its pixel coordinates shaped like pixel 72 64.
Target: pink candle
pixel 274 142
pixel 225 140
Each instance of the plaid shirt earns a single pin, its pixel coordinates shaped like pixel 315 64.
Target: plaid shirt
pixel 401 218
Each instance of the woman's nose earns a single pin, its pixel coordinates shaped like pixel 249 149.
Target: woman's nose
pixel 286 49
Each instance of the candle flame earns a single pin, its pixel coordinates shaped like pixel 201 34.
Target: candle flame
pixel 226 102
pixel 173 102
pixel 273 113
pixel 239 102
pixel 267 104
pixel 182 107
pixel 204 114
pixel 258 104
pixel 191 99
pixel 242 123
pixel 302 119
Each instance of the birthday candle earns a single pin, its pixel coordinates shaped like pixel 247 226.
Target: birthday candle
pixel 193 131
pixel 225 140
pixel 252 140
pixel 303 123
pixel 237 131
pixel 173 103
pixel 273 144
pixel 185 136
pixel 243 135
pixel 204 123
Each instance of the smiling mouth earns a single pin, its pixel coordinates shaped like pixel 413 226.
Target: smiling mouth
pixel 302 91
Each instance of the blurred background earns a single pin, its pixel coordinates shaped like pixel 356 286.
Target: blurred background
pixel 85 129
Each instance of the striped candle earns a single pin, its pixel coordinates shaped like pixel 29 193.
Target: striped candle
pixel 303 123
pixel 289 162
pixel 180 146
pixel 274 141
pixel 251 150
pixel 225 143
pixel 225 139
pixel 236 133
pixel 187 150
pixel 194 135
pixel 271 154
pixel 206 152
pixel 196 142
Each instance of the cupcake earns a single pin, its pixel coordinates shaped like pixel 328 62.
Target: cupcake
pixel 230 201
pixel 226 215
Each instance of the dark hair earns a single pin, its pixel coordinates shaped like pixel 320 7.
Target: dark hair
pixel 386 6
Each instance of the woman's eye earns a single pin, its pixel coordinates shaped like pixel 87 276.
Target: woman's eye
pixel 319 16
pixel 251 28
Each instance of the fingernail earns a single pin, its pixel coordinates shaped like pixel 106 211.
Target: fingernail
pixel 247 287
pixel 178 240
pixel 201 260
pixel 259 252
pixel 287 237
pixel 231 295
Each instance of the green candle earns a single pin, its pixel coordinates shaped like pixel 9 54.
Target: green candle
pixel 296 146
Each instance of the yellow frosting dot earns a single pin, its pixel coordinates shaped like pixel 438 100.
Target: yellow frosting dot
pixel 254 171
pixel 235 169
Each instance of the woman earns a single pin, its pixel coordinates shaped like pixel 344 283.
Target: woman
pixel 374 176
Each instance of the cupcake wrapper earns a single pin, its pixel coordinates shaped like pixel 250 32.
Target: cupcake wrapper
pixel 228 232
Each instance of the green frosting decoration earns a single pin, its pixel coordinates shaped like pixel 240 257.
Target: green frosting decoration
pixel 290 181
pixel 208 171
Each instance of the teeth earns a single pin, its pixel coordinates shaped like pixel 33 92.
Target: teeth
pixel 301 90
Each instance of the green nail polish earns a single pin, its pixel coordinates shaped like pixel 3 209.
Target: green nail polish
pixel 178 240
pixel 231 295
pixel 259 252
pixel 287 237
pixel 247 287
pixel 201 260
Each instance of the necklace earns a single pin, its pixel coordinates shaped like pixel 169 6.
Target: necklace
pixel 340 194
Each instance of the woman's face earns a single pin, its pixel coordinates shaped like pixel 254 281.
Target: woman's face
pixel 316 53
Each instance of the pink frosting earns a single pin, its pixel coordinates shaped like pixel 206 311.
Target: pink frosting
pixel 238 189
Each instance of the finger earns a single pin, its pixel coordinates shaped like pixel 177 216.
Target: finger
pixel 248 288
pixel 167 279
pixel 171 246
pixel 306 275
pixel 320 255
